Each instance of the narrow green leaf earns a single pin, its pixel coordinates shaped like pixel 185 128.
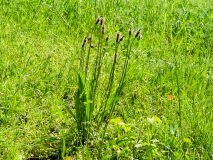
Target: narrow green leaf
pixel 80 82
pixel 187 140
pixel 157 119
pixel 116 120
pixel 70 112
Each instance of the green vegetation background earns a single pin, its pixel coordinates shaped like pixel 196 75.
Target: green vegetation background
pixel 167 101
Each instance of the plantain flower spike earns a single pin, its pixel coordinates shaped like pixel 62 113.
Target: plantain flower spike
pixel 98 20
pixel 107 38
pixel 89 38
pixel 130 31
pixel 84 42
pixel 92 46
pixel 117 37
pixel 102 29
pixel 101 21
pixel 115 57
pixel 137 33
pixel 121 39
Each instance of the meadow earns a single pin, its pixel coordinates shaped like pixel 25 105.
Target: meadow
pixel 136 83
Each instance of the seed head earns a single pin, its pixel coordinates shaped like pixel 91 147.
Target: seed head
pixel 107 38
pixel 117 37
pixel 89 38
pixel 101 21
pixel 97 20
pixel 137 33
pixel 84 42
pixel 130 31
pixel 121 39
pixel 102 29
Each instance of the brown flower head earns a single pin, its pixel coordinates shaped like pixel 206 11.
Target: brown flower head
pixel 130 31
pixel 121 39
pixel 117 37
pixel 137 33
pixel 98 20
pixel 103 29
pixel 107 38
pixel 84 42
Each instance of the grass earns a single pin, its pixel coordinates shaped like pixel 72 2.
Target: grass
pixel 165 108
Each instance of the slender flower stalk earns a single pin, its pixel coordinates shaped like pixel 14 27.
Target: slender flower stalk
pixel 121 83
pixel 90 85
